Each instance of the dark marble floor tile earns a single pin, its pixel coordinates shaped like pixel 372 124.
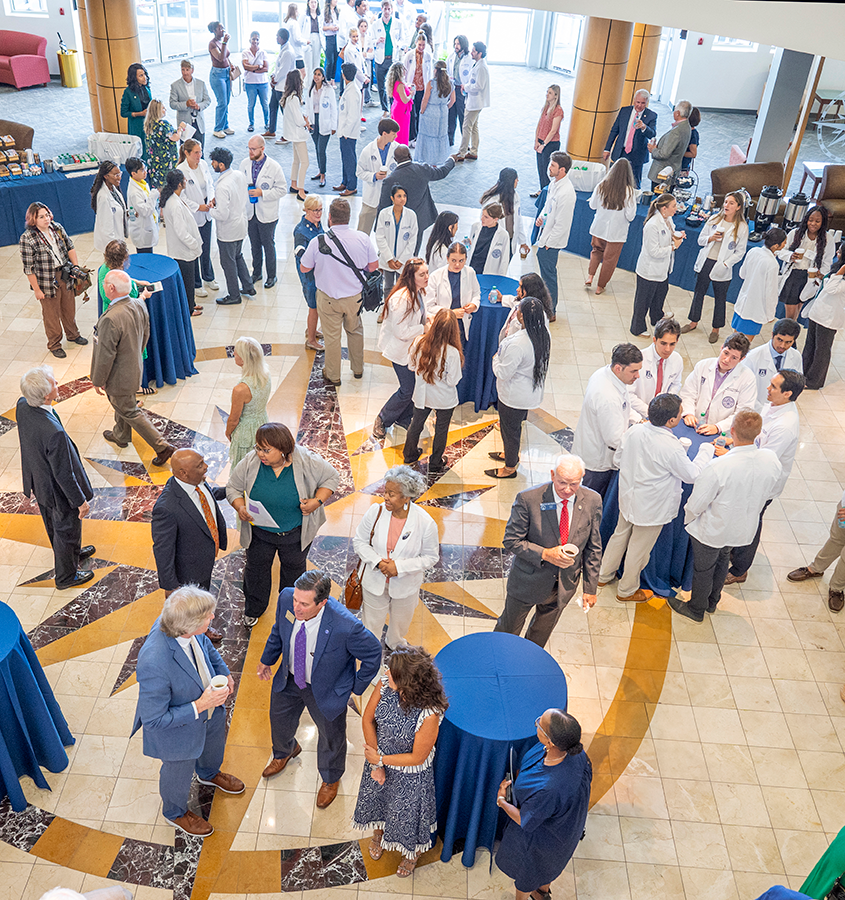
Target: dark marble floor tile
pixel 42 635
pixel 455 501
pixel 564 437
pixel 132 469
pixel 144 863
pixel 267 348
pixel 443 607
pixel 22 829
pixel 334 555
pixel 6 425
pixel 72 388
pixel 185 859
pixel 129 663
pixel 318 868
pixel 93 562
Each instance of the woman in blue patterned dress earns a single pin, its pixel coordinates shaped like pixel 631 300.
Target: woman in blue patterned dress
pixel 433 132
pixel 401 722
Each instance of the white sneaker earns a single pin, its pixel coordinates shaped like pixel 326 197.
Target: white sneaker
pixel 228 131
pixel 219 134
pixel 212 285
pixel 281 141
pixel 200 292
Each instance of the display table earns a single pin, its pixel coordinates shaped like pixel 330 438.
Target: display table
pixel 171 349
pixel 33 731
pixel 478 383
pixel 69 200
pixel 497 685
pixel 670 565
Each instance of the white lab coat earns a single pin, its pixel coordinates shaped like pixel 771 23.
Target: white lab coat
pixel 110 218
pixel 377 35
pixel 354 53
pixel 410 63
pixel 464 67
pixel 512 324
pixel 293 125
pixel 407 14
pixel 349 113
pixel 230 211
pixel 326 103
pixel 828 308
pixel 274 186
pixel 644 389
pixel 392 243
pixel 297 40
pixel 438 295
pixel 143 228
pixel 809 259
pixel 557 214
pixel 658 254
pixel 780 433
pixel 738 391
pixel 182 233
pixel 762 365
pixel 443 394
pixel 758 296
pixel 519 233
pixel 478 87
pixel 194 194
pixel 652 465
pixel 499 253
pixel 285 61
pixel 399 328
pixel 724 507
pixel 369 163
pixel 612 224
pixel 348 19
pixel 731 249
pixel 513 366
pixel 439 259
pixel 606 415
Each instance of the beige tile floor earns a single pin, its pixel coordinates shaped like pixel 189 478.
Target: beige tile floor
pixel 739 782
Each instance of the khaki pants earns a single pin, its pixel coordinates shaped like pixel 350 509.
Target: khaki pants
pixel 605 254
pixel 127 416
pixel 834 549
pixel 335 312
pixel 469 137
pixel 635 543
pixel 366 218
pixel 59 312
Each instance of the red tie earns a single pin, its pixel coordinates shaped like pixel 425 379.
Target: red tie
pixel 629 137
pixel 564 523
pixel 659 377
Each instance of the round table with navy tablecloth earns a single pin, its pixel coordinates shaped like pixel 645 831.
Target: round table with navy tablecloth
pixel 478 383
pixel 670 565
pixel 497 685
pixel 33 731
pixel 171 349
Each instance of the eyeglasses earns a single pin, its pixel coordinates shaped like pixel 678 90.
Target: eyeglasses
pixel 570 485
pixel 262 450
pixel 539 726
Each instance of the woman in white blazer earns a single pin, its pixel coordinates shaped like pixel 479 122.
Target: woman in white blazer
pixel 660 241
pixel 723 240
pixel 437 360
pixel 615 202
pixel 298 41
pixel 183 237
pixel 111 215
pixel 492 254
pixel 808 256
pixel 454 287
pixel 396 542
pixel 826 316
pixel 322 107
pixel 198 193
pixel 142 201
pixel 312 29
pixel 440 239
pixel 504 193
pixel 396 236
pixel 295 130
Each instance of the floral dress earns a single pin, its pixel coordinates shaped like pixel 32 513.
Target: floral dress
pixel 404 806
pixel 162 153
pixel 253 414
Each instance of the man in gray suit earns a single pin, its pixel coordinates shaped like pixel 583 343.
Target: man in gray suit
pixel 189 97
pixel 670 149
pixel 544 524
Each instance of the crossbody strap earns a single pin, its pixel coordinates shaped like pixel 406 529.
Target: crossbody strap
pixel 372 532
pixel 347 259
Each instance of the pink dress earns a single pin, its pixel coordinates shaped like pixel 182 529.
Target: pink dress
pixel 401 112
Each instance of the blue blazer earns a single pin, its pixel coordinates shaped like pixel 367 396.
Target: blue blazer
pixel 639 150
pixel 168 683
pixel 342 640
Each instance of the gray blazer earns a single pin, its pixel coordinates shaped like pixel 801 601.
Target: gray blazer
pixel 120 335
pixel 415 178
pixel 179 102
pixel 531 529
pixel 310 472
pixel 670 149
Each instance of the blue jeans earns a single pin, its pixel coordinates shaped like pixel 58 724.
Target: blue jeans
pixel 221 84
pixel 400 405
pixel 261 92
pixel 321 141
pixel 350 163
pixel 547 258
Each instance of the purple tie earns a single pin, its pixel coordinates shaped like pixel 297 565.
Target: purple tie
pixel 299 657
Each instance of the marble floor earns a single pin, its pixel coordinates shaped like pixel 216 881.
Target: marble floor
pixel 717 748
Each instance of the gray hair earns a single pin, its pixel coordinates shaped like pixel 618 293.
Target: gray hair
pixel 36 384
pixel 683 108
pixel 185 610
pixel 570 464
pixel 119 280
pixel 642 92
pixel 411 483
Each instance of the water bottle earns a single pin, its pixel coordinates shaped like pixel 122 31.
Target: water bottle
pixel 252 198
pixel 701 420
pixel 132 214
pixel 721 441
pixel 493 295
pixel 467 242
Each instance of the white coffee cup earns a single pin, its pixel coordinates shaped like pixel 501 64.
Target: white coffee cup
pixel 571 550
pixel 800 252
pixel 686 443
pixel 219 682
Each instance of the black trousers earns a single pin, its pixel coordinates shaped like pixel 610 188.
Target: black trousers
pixel 542 624
pixel 321 141
pixel 742 557
pixel 441 431
pixel 204 269
pixel 720 295
pixel 275 99
pixel 143 249
pixel 709 570
pixel 285 712
pixel 188 268
pixel 511 421
pixel 649 297
pixel 262 240
pixel 415 115
pixel 598 481
pixel 543 158
pixel 816 354
pixel 382 70
pixel 64 528
pixel 456 115
pixel 260 554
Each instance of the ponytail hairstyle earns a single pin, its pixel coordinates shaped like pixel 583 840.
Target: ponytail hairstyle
pixel 441 235
pixel 658 203
pixel 565 732
pixel 503 190
pixel 186 148
pixel 534 323
pixel 173 181
pixel 429 352
pixel 441 78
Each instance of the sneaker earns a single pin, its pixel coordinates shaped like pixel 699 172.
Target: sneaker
pixel 200 292
pixel 281 141
pixel 251 128
pixel 228 131
pixel 219 134
pixel 212 285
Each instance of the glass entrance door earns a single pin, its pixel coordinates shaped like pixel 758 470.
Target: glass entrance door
pixel 171 29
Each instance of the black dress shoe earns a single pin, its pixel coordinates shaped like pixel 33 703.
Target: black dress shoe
pixel 270 282
pixel 165 454
pixel 79 579
pixel 256 278
pixel 87 552
pixel 229 301
pixel 59 353
pixel 249 293
pixel 79 340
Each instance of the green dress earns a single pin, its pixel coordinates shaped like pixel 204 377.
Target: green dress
pixel 162 153
pixel 253 414
pixel 130 102
pixel 827 869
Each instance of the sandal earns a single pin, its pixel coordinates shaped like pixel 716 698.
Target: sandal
pixel 375 849
pixel 407 866
pixel 541 895
pixel 146 392
pixel 589 282
pixel 196 312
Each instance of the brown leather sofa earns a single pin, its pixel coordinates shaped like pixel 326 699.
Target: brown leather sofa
pixel 832 195
pixel 23 134
pixel 751 176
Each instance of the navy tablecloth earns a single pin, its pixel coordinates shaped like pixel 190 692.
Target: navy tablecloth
pixel 69 200
pixel 497 685
pixel 33 731
pixel 670 565
pixel 171 349
pixel 478 383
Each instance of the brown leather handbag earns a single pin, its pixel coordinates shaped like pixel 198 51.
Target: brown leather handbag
pixel 353 595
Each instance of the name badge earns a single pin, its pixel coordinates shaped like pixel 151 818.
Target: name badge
pixel 545 506
pixel 289 616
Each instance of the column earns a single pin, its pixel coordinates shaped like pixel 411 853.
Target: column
pixel 642 59
pixel 599 80
pixel 88 59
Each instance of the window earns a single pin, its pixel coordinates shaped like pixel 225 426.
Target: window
pixel 505 31
pixel 567 34
pixel 170 29
pixel 728 43
pixel 26 7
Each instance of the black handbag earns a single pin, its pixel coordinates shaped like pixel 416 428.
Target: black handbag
pixel 371 282
pixel 837 892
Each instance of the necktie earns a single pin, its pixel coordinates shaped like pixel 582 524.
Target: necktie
pixel 200 663
pixel 564 523
pixel 209 519
pixel 778 362
pixel 629 137
pixel 659 377
pixel 299 657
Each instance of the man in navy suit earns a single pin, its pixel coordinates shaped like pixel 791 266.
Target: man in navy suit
pixel 179 709
pixel 319 642
pixel 52 470
pixel 634 127
pixel 188 528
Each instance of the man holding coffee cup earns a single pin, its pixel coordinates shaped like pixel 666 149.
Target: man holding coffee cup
pixel 553 532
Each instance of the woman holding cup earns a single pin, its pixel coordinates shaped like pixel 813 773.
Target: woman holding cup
pixel 723 240
pixel 808 255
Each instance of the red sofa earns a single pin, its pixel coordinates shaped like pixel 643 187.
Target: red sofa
pixel 23 59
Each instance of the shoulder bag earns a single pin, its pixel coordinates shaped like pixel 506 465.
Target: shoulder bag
pixel 837 892
pixel 371 283
pixel 353 595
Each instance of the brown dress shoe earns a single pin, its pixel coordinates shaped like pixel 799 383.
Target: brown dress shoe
pixel 213 635
pixel 326 794
pixel 165 454
pixel 803 574
pixel 736 579
pixel 277 765
pixel 192 824
pixel 226 783
pixel 836 600
pixel 639 596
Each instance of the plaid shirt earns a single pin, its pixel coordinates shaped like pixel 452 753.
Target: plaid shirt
pixel 38 258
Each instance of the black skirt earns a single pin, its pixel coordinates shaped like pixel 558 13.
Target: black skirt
pixel 795 282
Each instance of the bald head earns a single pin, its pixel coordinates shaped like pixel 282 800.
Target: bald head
pixel 188 466
pixel 117 284
pixel 255 146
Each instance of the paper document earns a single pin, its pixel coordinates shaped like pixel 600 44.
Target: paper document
pixel 189 132
pixel 259 515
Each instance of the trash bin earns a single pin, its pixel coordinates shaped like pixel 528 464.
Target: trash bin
pixel 69 67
